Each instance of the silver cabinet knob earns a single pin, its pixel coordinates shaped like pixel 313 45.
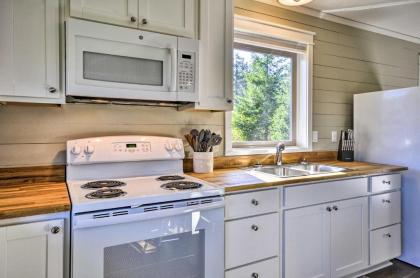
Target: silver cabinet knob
pixel 255 202
pixel 386 201
pixel 387 235
pixel 255 275
pixel 335 208
pixel 52 90
pixel 254 227
pixel 55 230
pixel 386 182
pixel 329 209
pixel 144 21
pixel 133 19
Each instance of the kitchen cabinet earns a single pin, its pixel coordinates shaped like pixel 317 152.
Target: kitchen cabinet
pixel 330 240
pixel 29 51
pixel 174 17
pixel 216 55
pixel 119 12
pixel 32 250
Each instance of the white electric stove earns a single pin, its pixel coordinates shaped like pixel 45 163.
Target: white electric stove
pixel 132 206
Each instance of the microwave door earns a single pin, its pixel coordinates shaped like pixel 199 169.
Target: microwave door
pixel 122 69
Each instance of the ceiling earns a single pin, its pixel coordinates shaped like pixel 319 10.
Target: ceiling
pixel 399 16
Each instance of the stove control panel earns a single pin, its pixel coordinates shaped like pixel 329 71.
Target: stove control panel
pixel 123 148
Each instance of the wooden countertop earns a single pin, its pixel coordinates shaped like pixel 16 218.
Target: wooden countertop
pixel 32 191
pixel 236 179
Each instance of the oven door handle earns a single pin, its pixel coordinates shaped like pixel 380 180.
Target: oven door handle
pixel 80 223
pixel 174 59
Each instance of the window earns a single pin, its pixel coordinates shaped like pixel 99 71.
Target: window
pixel 272 73
pixel 264 92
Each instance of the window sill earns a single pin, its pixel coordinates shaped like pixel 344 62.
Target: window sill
pixel 263 150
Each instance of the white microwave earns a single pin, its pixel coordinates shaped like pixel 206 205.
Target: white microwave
pixel 110 62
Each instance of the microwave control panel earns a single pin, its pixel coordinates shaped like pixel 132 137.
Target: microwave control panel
pixel 186 71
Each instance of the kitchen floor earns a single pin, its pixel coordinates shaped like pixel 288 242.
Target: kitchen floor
pixel 399 269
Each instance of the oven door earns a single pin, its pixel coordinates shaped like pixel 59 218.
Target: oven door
pixel 105 61
pixel 170 243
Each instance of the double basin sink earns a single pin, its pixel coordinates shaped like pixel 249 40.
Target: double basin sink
pixel 297 170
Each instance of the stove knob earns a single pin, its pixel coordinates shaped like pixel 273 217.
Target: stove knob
pixel 169 147
pixel 76 150
pixel 177 146
pixel 89 149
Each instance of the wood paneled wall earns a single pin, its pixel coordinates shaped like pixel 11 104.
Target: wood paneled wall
pixel 346 61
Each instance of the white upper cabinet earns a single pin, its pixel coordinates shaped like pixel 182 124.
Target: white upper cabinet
pixel 175 17
pixel 29 51
pixel 216 55
pixel 32 250
pixel 120 12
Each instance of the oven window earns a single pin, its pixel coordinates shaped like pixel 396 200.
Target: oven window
pixel 121 69
pixel 173 256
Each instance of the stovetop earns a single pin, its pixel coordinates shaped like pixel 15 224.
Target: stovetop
pixel 89 195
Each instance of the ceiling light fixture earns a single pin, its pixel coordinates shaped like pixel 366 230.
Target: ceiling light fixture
pixel 294 2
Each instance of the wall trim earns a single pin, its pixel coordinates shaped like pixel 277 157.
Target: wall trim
pixel 344 21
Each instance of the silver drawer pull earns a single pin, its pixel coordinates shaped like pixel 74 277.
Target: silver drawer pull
pixel 387 235
pixel 386 182
pixel 335 208
pixel 254 227
pixel 329 209
pixel 386 201
pixel 255 275
pixel 255 202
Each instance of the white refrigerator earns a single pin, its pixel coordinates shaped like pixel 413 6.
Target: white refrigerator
pixel 387 130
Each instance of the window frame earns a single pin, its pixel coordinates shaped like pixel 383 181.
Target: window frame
pixel 283 53
pixel 290 39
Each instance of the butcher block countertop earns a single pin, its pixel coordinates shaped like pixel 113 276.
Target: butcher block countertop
pixel 237 179
pixel 32 191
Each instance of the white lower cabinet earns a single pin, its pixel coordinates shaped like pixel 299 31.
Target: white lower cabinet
pixel 251 239
pixel 264 269
pixel 385 244
pixel 328 240
pixel 32 250
pixel 306 242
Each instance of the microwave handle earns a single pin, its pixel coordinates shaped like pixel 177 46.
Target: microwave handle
pixel 174 60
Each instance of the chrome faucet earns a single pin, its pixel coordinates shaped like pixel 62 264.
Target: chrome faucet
pixel 279 153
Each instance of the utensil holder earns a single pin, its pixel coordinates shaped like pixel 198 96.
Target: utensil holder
pixel 346 150
pixel 203 162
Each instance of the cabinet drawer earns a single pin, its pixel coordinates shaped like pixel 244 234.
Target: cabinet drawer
pixel 250 204
pixel 385 209
pixel 264 269
pixel 387 182
pixel 385 244
pixel 303 195
pixel 251 239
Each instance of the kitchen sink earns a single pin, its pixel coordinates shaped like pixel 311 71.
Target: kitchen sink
pixel 297 170
pixel 280 171
pixel 316 168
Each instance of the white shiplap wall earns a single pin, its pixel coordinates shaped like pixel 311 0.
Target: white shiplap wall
pixel 346 61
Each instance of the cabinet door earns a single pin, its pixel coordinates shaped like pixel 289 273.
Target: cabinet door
pixel 29 50
pixel 175 17
pixel 349 236
pixel 216 54
pixel 32 250
pixel 307 242
pixel 120 12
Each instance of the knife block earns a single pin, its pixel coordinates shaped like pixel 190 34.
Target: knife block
pixel 346 150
